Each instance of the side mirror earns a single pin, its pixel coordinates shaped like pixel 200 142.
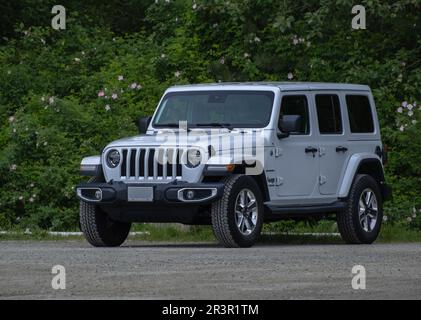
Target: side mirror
pixel 288 124
pixel 143 124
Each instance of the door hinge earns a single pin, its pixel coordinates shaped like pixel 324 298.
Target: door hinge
pixel 279 181
pixel 277 152
pixel 322 179
pixel 275 181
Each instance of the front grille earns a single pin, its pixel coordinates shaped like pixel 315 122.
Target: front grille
pixel 151 164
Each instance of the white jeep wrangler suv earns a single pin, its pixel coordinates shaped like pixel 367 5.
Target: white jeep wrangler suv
pixel 238 155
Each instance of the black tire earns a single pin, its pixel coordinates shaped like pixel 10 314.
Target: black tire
pixel 97 227
pixel 351 229
pixel 224 218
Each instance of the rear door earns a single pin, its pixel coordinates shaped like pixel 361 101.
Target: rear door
pixel 333 144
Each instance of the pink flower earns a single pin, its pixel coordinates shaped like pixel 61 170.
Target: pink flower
pixel 114 96
pixel 12 119
pixel 133 85
pixel 101 93
pixel 120 78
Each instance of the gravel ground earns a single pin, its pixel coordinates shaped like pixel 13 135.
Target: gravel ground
pixel 140 270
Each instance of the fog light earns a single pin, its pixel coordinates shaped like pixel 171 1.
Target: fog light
pixel 190 195
pixel 98 194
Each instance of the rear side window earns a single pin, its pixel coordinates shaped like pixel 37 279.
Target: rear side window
pixel 359 113
pixel 328 114
pixel 296 105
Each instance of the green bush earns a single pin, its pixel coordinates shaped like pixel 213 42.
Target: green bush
pixel 65 94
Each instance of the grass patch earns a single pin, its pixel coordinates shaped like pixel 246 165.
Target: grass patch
pixel 276 233
pixel 398 233
pixel 173 233
pixel 36 235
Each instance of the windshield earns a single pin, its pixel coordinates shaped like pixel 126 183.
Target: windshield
pixel 229 109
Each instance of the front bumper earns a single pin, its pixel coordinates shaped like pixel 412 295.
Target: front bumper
pixel 114 193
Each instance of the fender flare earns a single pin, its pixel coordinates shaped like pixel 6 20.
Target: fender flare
pixel 91 166
pixel 353 165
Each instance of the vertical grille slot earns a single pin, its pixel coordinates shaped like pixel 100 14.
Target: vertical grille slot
pixel 160 161
pixel 123 163
pixel 151 162
pixel 141 163
pixel 132 171
pixel 178 162
pixel 170 161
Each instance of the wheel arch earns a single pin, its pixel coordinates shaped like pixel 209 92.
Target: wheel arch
pixel 361 164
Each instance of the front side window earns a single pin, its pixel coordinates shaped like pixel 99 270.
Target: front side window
pixel 329 114
pixel 296 105
pixel 241 109
pixel 359 113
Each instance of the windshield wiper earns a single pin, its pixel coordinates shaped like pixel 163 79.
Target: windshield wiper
pixel 169 125
pixel 215 124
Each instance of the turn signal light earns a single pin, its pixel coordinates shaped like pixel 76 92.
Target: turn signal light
pixel 230 167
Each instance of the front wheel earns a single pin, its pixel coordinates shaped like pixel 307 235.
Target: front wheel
pixel 98 228
pixel 360 222
pixel 237 218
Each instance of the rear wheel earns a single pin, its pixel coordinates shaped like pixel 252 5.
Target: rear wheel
pixel 98 228
pixel 237 218
pixel 360 222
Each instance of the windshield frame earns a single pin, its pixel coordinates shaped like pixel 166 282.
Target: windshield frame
pixel 204 90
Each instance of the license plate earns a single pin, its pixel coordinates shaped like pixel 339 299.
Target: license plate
pixel 140 194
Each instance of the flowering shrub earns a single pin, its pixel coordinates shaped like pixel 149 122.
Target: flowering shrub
pixel 65 94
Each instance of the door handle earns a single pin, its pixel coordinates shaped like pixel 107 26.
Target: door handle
pixel 311 149
pixel 341 149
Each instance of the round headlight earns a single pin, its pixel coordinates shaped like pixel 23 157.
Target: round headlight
pixel 194 158
pixel 113 158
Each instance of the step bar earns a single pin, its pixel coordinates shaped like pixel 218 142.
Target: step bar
pixel 305 209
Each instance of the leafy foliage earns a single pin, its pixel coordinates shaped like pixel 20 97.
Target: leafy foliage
pixel 65 94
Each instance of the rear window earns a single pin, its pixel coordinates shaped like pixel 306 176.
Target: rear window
pixel 328 114
pixel 359 114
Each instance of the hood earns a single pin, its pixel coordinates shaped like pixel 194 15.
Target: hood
pixel 199 138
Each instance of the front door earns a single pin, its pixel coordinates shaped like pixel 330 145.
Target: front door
pixel 295 159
